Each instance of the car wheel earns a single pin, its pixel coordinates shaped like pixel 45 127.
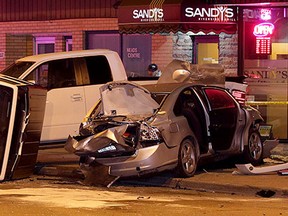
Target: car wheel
pixel 253 152
pixel 187 159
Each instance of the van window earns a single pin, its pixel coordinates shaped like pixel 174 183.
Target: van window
pixel 54 74
pixel 99 69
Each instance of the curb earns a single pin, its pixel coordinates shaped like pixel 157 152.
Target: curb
pixel 165 180
pixel 189 184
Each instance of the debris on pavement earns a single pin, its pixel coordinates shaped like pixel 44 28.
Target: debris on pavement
pixel 249 169
pixel 283 172
pixel 98 175
pixel 266 193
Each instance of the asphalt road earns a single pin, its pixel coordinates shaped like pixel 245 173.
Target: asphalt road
pixel 51 196
pixel 58 188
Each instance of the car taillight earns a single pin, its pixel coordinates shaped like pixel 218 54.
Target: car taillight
pixel 240 96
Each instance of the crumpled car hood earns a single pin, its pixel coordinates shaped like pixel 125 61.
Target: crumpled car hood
pixel 127 99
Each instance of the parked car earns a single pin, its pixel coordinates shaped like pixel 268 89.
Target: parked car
pixel 134 130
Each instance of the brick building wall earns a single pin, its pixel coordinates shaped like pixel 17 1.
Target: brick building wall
pixel 182 47
pixel 17 46
pixel 162 49
pixel 228 53
pixel 16 38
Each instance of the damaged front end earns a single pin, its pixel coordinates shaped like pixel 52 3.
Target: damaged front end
pixel 114 140
pixel 119 126
pixel 114 143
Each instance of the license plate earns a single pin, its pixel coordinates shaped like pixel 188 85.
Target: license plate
pixel 265 130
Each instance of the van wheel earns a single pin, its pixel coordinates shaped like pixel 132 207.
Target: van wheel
pixel 187 159
pixel 253 152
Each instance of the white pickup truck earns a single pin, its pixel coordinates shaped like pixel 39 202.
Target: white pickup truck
pixel 72 80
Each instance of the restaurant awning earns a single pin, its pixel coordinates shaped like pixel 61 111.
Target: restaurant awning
pixel 165 16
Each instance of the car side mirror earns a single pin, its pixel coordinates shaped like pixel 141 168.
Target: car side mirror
pixel 181 75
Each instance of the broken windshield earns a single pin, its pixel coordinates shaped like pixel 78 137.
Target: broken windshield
pixel 17 69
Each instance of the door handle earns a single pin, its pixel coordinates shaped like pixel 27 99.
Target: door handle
pixel 76 97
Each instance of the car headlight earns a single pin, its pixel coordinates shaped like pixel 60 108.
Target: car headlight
pixel 149 135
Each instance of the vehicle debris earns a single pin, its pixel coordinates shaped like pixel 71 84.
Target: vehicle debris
pixel 97 174
pixel 266 193
pixel 249 169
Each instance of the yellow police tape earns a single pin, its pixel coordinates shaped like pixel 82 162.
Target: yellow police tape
pixel 266 103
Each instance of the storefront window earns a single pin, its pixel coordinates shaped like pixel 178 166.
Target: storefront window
pixel 103 40
pixel 134 49
pixel 68 44
pixel 136 54
pixel 44 45
pixel 266 64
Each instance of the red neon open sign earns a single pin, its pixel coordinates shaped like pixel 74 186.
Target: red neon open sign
pixel 263 29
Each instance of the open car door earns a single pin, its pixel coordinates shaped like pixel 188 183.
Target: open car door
pixel 21 117
pixel 223 115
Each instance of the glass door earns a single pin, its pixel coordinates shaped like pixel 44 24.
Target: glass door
pixel 205 49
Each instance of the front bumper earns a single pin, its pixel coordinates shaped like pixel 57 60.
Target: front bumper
pixel 145 160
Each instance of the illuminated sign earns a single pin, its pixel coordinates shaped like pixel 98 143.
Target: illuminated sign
pixel 218 14
pixel 263 31
pixel 155 14
pixel 265 14
pixel 263 45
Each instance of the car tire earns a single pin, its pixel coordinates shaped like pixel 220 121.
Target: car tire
pixel 187 159
pixel 253 152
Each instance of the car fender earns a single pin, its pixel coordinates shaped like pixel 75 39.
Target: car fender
pixel 174 132
pixel 252 118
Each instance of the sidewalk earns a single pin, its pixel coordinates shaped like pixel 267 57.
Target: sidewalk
pixel 57 162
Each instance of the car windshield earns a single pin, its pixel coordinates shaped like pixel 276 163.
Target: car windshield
pixel 17 69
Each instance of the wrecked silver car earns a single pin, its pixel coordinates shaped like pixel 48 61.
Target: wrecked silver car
pixel 134 130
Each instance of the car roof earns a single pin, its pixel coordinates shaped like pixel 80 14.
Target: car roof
pixel 65 55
